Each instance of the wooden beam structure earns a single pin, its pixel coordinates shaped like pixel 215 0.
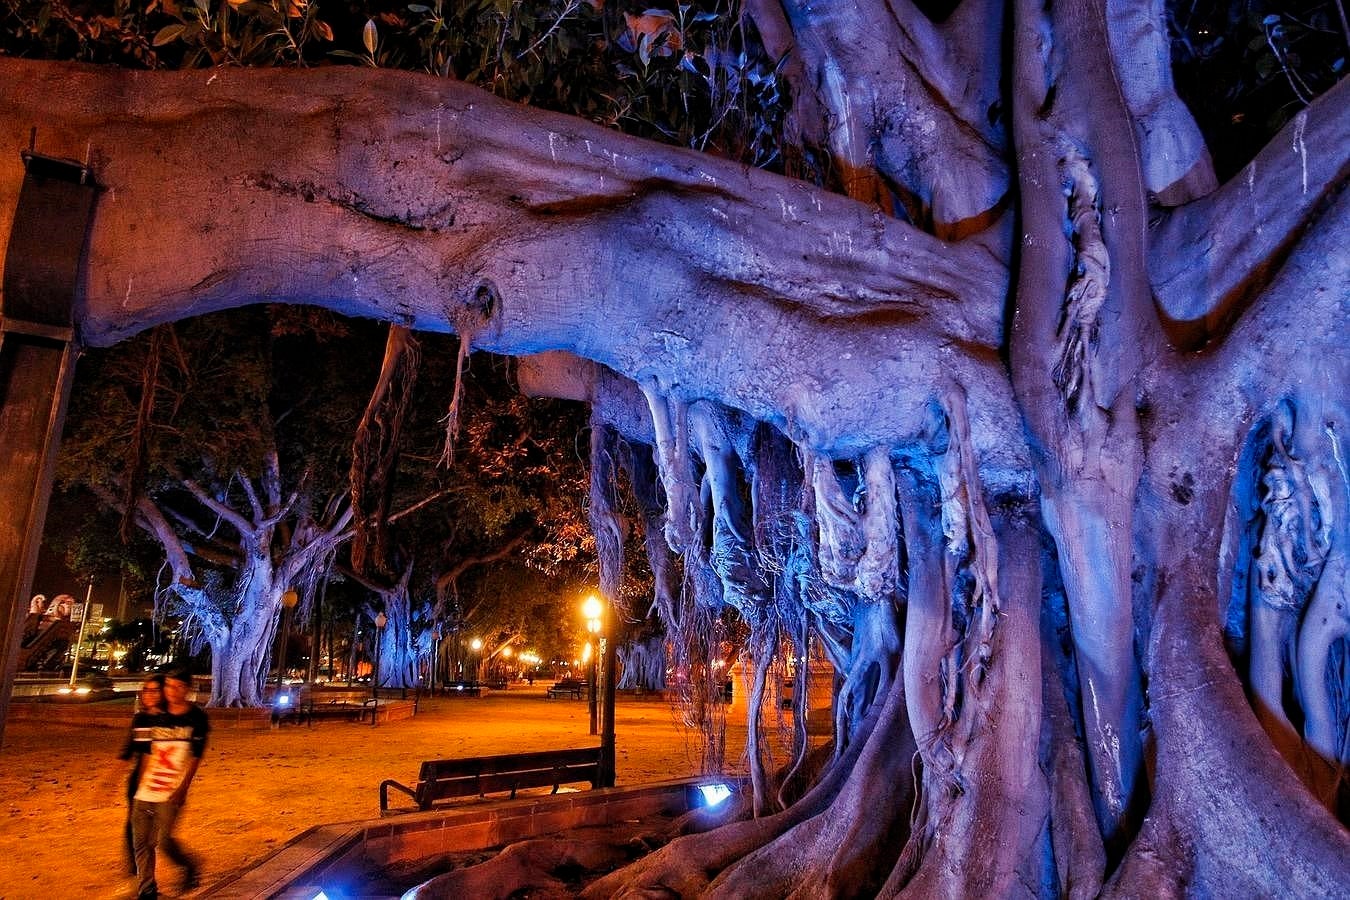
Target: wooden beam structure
pixel 38 349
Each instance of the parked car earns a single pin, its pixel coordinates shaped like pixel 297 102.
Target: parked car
pixel 87 689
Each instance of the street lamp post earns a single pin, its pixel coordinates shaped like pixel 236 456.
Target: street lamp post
pixel 607 724
pixel 435 655
pixel 477 646
pixel 79 635
pixel 592 610
pixel 381 620
pixel 288 601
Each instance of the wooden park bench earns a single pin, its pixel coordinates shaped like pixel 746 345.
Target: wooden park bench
pixel 444 779
pixel 307 710
pixel 569 687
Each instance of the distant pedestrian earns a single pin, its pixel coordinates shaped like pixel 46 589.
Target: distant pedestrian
pixel 177 741
pixel 149 706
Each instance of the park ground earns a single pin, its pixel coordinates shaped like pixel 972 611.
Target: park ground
pixel 62 785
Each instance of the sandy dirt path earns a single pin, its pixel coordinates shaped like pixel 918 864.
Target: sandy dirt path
pixel 62 786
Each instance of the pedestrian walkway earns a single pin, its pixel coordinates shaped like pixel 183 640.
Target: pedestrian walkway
pixel 61 833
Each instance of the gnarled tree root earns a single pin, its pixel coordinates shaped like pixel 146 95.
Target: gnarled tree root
pixel 535 866
pixel 687 865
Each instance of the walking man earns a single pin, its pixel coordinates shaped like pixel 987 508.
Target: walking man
pixel 173 748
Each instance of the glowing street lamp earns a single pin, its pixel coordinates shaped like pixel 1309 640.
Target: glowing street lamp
pixel 477 646
pixel 592 610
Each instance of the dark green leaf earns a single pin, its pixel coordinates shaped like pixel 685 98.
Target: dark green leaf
pixel 167 34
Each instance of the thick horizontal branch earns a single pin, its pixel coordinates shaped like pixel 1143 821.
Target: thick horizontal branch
pixel 446 579
pixel 1210 259
pixel 431 203
pixel 241 524
pixel 398 177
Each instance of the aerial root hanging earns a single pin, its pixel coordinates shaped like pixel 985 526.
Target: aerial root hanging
pixel 606 523
pixel 731 555
pixel 878 571
pixel 675 465
pixel 842 540
pixel 452 415
pixel 873 665
pixel 971 546
pixel 1076 335
pixel 644 481
pixel 375 455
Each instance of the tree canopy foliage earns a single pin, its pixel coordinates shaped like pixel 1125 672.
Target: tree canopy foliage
pixel 694 74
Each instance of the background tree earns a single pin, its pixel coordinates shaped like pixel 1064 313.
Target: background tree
pixel 511 483
pixel 208 436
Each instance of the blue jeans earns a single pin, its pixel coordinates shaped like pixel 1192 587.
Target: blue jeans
pixel 151 827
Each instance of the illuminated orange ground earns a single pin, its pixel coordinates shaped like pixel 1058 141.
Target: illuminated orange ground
pixel 62 785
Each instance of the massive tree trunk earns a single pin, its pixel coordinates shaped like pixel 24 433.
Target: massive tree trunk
pixel 1063 417
pixel 405 640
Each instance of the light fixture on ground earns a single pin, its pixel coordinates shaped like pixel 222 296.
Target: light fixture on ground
pixel 713 793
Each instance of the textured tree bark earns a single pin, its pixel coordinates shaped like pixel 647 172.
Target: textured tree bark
pixel 980 427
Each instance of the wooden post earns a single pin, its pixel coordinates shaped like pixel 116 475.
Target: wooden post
pixel 37 366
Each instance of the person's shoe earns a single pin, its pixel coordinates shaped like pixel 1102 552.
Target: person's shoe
pixel 192 878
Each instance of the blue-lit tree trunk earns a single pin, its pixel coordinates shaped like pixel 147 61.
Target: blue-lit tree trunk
pixel 228 587
pixel 1067 418
pixel 405 640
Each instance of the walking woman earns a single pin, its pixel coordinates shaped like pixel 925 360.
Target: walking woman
pixel 149 707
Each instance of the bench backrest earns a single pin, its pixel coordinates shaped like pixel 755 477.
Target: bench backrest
pixel 439 769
